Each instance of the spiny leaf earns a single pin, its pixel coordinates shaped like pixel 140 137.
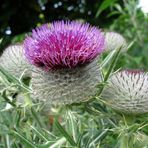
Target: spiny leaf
pixel 37 118
pixel 24 140
pixel 64 133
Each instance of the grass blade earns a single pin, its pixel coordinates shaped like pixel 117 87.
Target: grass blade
pixel 107 59
pixel 58 143
pixel 24 140
pixel 37 118
pixel 38 133
pixel 7 141
pixel 64 133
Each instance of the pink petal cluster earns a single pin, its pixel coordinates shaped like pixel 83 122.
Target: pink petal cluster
pixel 63 45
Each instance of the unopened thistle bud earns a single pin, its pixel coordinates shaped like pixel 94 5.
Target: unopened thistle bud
pixel 66 55
pixel 127 92
pixel 14 61
pixel 114 41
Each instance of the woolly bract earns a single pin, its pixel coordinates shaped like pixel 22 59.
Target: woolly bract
pixel 14 61
pixel 127 92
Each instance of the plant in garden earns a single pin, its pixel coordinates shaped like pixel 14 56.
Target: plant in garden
pixel 66 69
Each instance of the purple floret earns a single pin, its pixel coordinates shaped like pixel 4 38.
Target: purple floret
pixel 63 45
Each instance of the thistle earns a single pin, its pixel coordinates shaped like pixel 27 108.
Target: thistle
pixel 65 55
pixel 14 61
pixel 114 41
pixel 127 92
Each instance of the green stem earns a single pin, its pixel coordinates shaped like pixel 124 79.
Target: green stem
pixel 65 134
pixel 111 67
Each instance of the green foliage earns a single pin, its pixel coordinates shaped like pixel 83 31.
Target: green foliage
pixel 132 24
pixel 104 5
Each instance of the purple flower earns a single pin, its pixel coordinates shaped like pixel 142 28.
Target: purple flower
pixel 63 45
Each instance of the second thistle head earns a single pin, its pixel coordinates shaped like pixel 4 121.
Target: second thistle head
pixel 114 41
pixel 127 92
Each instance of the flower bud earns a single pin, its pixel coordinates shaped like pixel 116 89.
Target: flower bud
pixel 127 92
pixel 14 61
pixel 114 41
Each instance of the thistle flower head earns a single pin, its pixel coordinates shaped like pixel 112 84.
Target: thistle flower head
pixel 114 41
pixel 127 92
pixel 63 45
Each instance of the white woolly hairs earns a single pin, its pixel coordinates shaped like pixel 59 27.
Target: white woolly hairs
pixel 114 41
pixel 13 61
pixel 66 86
pixel 127 92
